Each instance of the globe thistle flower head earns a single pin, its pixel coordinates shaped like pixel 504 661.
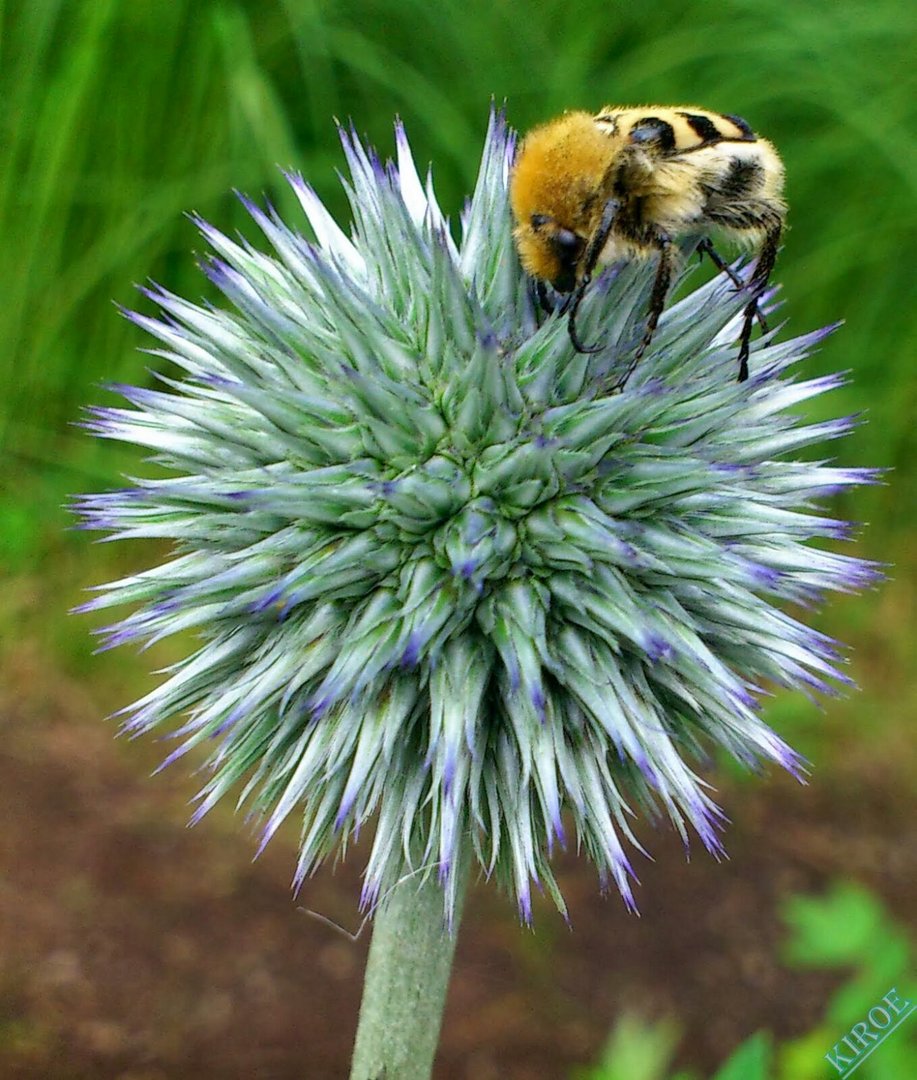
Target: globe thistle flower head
pixel 441 575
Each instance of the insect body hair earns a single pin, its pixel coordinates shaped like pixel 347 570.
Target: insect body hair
pixel 627 182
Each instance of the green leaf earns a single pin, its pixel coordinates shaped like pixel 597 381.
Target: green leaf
pixel 842 927
pixel 636 1050
pixel 752 1060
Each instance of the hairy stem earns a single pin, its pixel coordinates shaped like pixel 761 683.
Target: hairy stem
pixel 407 975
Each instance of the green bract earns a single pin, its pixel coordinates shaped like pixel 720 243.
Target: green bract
pixel 439 572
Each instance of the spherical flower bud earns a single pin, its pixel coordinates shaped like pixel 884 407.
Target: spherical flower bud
pixel 442 576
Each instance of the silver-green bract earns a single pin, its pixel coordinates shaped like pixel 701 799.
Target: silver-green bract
pixel 443 576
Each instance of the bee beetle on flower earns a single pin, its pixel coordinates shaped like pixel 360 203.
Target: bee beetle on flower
pixel 626 183
pixel 433 575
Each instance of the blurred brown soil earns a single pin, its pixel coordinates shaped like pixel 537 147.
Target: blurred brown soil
pixel 134 948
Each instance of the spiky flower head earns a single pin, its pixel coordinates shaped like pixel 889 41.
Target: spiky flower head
pixel 440 573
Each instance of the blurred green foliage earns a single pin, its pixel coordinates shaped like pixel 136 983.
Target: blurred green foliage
pixel 847 928
pixel 119 117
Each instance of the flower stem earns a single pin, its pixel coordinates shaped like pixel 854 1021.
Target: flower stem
pixel 407 975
